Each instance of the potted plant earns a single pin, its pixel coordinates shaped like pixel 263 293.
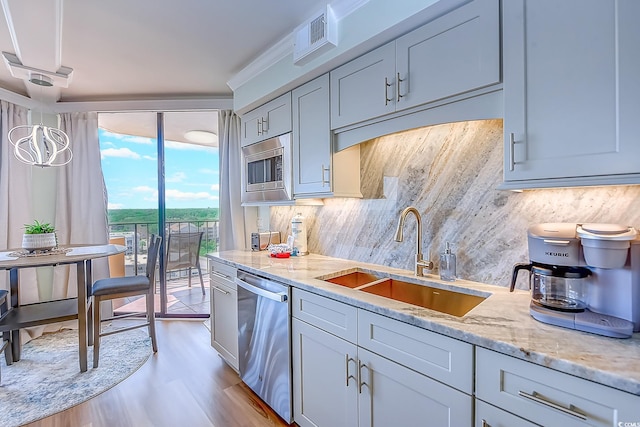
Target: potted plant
pixel 39 237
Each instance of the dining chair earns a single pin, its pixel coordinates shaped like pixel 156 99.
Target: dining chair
pixel 183 252
pixel 124 287
pixel 6 336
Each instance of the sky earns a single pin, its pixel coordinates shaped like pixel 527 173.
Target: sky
pixel 129 165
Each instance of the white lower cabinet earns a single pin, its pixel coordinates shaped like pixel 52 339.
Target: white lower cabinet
pixel 224 311
pixel 548 397
pixel 337 382
pixel 324 380
pixel 394 395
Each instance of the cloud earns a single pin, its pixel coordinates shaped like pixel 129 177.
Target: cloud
pixel 119 152
pixel 176 177
pixel 185 195
pixel 129 138
pixel 115 206
pixel 215 187
pixel 208 171
pixel 149 158
pixel 144 189
pixel 175 145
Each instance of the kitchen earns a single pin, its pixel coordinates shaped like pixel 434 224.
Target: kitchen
pixel 454 156
pixel 456 175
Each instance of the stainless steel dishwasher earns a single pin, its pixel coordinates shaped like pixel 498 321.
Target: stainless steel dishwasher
pixel 264 340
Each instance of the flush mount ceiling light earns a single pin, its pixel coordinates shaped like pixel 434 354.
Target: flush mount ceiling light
pixel 201 136
pixel 39 145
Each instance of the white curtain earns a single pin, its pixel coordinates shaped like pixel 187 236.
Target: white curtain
pixel 81 199
pixel 15 186
pixel 232 220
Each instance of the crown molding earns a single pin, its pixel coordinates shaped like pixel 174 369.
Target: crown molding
pixel 183 104
pixel 284 47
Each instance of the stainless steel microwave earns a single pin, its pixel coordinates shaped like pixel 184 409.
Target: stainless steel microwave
pixel 266 171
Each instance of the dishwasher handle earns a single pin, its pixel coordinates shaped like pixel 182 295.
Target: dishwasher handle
pixel 275 296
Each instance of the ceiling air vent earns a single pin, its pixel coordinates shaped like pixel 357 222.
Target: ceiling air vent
pixel 315 36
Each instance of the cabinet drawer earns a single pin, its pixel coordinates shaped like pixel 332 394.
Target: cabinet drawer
pixel 331 316
pixel 442 358
pixel 490 416
pixel 549 397
pixel 222 273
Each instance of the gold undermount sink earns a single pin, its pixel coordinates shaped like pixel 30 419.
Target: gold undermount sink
pixel 442 300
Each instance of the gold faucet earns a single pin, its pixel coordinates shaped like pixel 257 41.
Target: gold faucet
pixel 420 263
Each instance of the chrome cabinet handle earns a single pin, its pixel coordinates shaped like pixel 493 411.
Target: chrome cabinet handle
pixel 538 398
pixel 220 290
pixel 386 86
pixel 361 383
pixel 258 126
pixel 220 275
pixel 323 182
pixel 512 143
pixel 263 121
pixel 348 359
pixel 485 423
pixel 398 87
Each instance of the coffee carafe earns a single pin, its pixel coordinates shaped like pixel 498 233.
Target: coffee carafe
pixel 599 294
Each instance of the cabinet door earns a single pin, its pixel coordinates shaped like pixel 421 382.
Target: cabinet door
pixel 453 54
pixel 267 121
pixel 393 395
pixel 325 390
pixel 364 88
pixel 224 321
pixel 311 138
pixel 490 416
pixel 277 116
pixel 570 88
pixel 251 128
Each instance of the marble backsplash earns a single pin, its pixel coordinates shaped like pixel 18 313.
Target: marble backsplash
pixel 450 174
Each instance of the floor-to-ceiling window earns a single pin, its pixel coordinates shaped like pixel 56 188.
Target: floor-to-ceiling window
pixel 166 187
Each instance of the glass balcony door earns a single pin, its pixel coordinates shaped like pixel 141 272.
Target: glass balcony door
pixel 160 182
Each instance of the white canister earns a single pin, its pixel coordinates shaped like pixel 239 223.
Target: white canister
pixel 299 232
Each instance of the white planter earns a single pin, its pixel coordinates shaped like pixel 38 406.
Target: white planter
pixel 39 242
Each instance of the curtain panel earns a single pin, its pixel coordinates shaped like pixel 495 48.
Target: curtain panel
pixel 232 218
pixel 15 186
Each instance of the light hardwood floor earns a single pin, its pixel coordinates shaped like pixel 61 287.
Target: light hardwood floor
pixel 185 384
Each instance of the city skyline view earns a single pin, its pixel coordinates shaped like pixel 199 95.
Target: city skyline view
pixel 129 165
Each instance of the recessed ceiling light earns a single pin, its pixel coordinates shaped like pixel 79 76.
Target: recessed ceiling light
pixel 201 136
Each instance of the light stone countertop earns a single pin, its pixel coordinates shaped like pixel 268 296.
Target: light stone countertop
pixel 501 322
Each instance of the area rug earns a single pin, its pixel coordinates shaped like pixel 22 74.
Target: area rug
pixel 47 379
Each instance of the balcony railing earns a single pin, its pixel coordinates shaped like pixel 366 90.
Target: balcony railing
pixel 136 236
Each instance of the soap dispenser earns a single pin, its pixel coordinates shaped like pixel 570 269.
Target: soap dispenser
pixel 447 264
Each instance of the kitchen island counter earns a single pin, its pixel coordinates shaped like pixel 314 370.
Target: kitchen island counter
pixel 501 322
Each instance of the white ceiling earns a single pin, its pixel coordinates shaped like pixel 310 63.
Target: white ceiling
pixel 142 49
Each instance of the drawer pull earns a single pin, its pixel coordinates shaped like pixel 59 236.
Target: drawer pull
pixel 398 87
pixel 485 423
pixel 222 276
pixel 328 182
pixel 220 290
pixel 538 398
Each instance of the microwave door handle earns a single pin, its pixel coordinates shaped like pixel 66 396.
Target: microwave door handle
pixel 275 296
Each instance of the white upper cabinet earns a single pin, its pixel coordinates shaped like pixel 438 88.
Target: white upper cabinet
pixel 267 121
pixel 311 137
pixel 451 55
pixel 317 170
pixel 454 54
pixel 571 92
